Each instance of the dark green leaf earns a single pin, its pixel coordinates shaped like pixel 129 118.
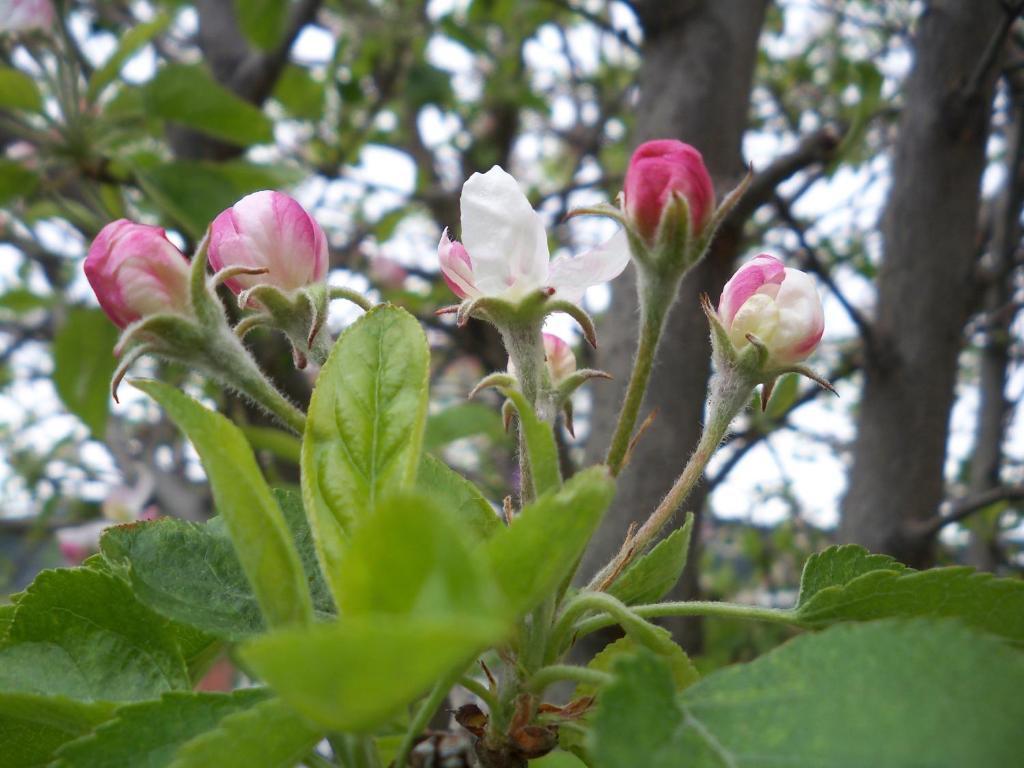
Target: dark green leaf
pixel 33 727
pixel 15 180
pixel 81 633
pixel 262 21
pixel 875 694
pixel 978 599
pixel 534 555
pixel 456 494
pixel 651 576
pixel 187 94
pixel 365 426
pixel 149 734
pixel 836 566
pixel 131 41
pixel 83 363
pixel 19 91
pixel 300 93
pixel 254 521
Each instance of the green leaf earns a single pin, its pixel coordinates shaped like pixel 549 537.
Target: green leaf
pixel 651 576
pixel 33 727
pixel 978 599
pixel 558 759
pixel 683 672
pixel 409 557
pixel 268 735
pixel 130 43
pixel 458 496
pixel 836 566
pixel 262 21
pixel 19 91
pixel 637 717
pixel 256 524
pixel 300 93
pixel 357 673
pixel 540 445
pixel 6 619
pixel 83 363
pixel 187 94
pixel 16 181
pixel 365 426
pixel 277 442
pixel 533 557
pixel 880 694
pixel 81 633
pixel 149 734
pixel 190 572
pixel 193 193
pixel 20 301
pixel 462 420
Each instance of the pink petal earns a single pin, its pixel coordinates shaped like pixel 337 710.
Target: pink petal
pixel 763 269
pixel 456 267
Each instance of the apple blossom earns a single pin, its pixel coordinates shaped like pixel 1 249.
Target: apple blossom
pixel 25 15
pixel 778 305
pixel 504 249
pixel 269 230
pixel 658 169
pixel 135 271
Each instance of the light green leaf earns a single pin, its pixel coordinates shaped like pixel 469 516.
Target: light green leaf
pixel 875 694
pixel 81 633
pixel 365 426
pixel 277 442
pixel 978 599
pixel 256 524
pixel 149 734
pixel 533 557
pixel 459 496
pixel 187 94
pixel 409 557
pixel 650 577
pixel 462 420
pixel 558 759
pixel 360 671
pixel 268 735
pixel 33 727
pixel 20 301
pixel 130 43
pixel 83 363
pixel 19 91
pixel 835 566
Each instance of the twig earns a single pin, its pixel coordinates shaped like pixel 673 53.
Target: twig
pixel 963 508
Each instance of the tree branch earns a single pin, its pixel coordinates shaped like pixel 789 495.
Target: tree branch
pixel 960 509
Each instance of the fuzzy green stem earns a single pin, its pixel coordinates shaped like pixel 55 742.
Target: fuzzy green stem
pixel 730 391
pixel 552 674
pixel 655 301
pixel 231 363
pixel 479 690
pixel 424 712
pixel 693 608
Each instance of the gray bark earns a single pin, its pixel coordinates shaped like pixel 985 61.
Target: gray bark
pixel 929 230
pixel 695 81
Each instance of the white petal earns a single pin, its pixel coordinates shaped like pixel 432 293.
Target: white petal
pixel 572 275
pixel 800 314
pixel 504 236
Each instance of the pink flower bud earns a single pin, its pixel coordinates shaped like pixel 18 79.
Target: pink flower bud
pixel 25 15
pixel 270 230
pixel 77 542
pixel 135 271
pixel 658 169
pixel 779 306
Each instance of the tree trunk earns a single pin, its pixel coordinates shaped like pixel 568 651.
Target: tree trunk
pixel 695 81
pixel 929 230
